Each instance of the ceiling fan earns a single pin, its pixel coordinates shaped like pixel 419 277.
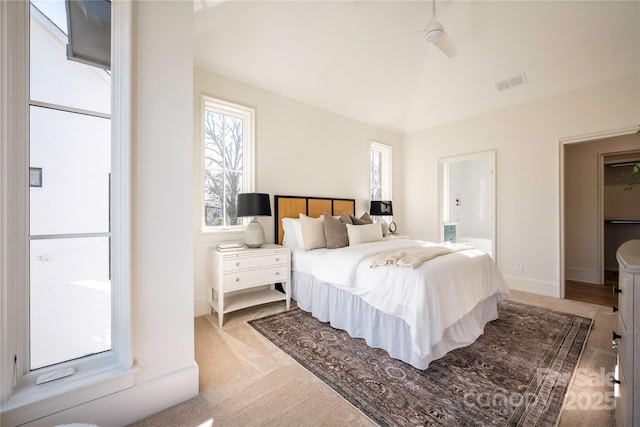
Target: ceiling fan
pixel 436 35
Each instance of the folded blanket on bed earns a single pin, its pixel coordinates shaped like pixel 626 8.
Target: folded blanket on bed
pixel 415 257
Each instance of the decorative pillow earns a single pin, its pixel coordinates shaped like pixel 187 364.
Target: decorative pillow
pixel 364 219
pixel 345 218
pixel 335 231
pixel 292 233
pixel 364 233
pixel 312 232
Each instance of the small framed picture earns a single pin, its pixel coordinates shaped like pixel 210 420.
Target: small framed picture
pixel 35 177
pixel 450 233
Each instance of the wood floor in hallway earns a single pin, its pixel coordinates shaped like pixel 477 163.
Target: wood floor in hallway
pixel 593 293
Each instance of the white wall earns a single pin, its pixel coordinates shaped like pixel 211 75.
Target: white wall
pixel 163 165
pixel 527 139
pixel 300 150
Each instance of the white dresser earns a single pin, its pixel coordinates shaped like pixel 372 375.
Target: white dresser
pixel 627 336
pixel 244 278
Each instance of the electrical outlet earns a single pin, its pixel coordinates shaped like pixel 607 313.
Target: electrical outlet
pixel 519 264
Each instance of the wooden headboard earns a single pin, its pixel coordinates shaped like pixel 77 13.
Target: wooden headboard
pixel 293 206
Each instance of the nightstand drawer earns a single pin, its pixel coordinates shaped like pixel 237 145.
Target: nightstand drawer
pixel 623 393
pixel 232 263
pixel 248 278
pixel 625 300
pixel 625 350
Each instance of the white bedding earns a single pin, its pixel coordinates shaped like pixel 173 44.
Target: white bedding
pixel 429 298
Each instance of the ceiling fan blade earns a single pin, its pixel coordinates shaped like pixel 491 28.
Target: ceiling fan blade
pixel 436 35
pixel 445 44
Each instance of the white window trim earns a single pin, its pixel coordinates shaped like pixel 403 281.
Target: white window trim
pixel 248 156
pixel 387 173
pixel 101 374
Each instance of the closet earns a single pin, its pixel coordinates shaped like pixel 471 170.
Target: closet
pixel 598 214
pixel 621 208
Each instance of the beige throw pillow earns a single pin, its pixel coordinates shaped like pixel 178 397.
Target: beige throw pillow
pixel 313 232
pixel 364 233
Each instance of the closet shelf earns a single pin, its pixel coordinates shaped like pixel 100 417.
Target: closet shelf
pixel 622 220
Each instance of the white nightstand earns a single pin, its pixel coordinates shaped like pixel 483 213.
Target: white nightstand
pixel 244 278
pixel 627 335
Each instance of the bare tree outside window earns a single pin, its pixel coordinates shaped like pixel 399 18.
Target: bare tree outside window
pixel 380 171
pixel 223 168
pixel 376 175
pixel 228 147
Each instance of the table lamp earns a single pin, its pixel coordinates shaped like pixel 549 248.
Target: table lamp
pixel 383 208
pixel 254 204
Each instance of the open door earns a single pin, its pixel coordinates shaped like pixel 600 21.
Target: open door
pixel 596 213
pixel 467 200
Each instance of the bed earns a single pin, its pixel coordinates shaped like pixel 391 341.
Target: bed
pixel 417 313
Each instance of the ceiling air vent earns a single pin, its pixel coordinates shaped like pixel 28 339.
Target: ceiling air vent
pixel 518 80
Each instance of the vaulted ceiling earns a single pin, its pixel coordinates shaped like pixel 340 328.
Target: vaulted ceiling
pixel 368 60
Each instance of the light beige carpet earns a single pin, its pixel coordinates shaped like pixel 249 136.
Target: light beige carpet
pixel 245 380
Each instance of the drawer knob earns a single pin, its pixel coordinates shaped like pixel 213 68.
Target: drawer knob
pixel 615 336
pixel 277 259
pixel 237 264
pixel 237 279
pixel 277 273
pixel 614 308
pixel 617 290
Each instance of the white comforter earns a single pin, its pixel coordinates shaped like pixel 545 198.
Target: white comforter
pixel 429 298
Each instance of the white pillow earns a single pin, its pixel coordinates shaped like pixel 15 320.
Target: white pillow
pixel 292 233
pixel 364 233
pixel 313 232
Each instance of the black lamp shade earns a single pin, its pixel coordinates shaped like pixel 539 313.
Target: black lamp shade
pixel 254 204
pixel 381 208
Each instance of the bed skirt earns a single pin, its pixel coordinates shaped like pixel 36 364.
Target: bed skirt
pixel 350 313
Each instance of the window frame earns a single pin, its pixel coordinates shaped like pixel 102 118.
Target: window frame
pixel 248 114
pixel 96 375
pixel 386 172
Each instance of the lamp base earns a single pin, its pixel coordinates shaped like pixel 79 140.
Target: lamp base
pixel 254 234
pixel 385 226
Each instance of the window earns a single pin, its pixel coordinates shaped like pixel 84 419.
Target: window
pixel 228 135
pixel 66 203
pixel 380 171
pixel 69 230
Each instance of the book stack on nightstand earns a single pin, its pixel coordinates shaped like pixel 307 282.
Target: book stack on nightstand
pixel 230 247
pixel 242 277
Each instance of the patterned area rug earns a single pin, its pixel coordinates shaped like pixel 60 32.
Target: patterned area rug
pixel 517 373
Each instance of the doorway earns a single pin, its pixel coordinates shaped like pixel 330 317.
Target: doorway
pixel 596 212
pixel 467 200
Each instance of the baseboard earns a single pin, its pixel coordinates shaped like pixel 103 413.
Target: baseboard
pixel 550 289
pixel 132 404
pixel 201 307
